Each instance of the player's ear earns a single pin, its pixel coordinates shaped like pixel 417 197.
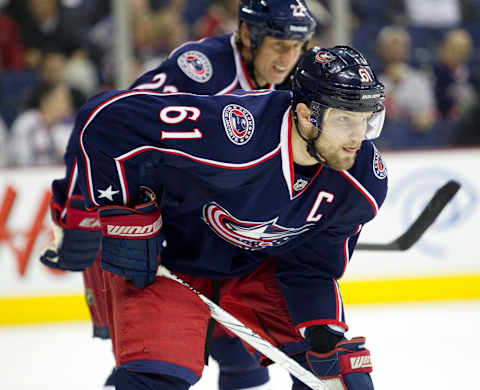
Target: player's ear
pixel 303 114
pixel 245 35
pixel 303 111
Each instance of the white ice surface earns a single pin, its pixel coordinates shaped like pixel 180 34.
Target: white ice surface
pixel 413 347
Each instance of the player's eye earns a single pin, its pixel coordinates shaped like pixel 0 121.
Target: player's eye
pixel 278 46
pixel 343 120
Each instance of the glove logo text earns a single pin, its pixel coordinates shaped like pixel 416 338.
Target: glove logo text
pixel 360 362
pixel 135 231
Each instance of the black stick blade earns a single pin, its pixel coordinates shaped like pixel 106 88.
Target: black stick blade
pixel 427 217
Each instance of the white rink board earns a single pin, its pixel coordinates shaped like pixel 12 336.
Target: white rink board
pixel 446 248
pixel 30 185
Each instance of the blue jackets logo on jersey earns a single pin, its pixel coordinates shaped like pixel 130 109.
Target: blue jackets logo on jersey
pixel 238 123
pixel 195 65
pixel 248 234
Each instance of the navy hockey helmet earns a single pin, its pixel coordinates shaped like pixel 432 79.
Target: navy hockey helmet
pixel 339 77
pixel 281 19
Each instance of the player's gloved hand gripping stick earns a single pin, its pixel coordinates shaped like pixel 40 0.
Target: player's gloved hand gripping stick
pixel 250 337
pixel 77 236
pixel 132 240
pixel 345 367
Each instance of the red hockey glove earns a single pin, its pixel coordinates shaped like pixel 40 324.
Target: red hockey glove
pixel 347 367
pixel 132 240
pixel 77 236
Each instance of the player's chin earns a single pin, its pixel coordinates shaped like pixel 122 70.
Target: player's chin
pixel 342 164
pixel 277 77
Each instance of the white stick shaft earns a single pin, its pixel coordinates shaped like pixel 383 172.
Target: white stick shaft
pixel 249 336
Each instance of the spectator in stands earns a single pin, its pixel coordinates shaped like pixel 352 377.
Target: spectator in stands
pixel 429 20
pixel 53 70
pixel 409 92
pixel 39 135
pixel 45 29
pixel 454 88
pixel 429 13
pixel 220 18
pixel 155 33
pixel 11 45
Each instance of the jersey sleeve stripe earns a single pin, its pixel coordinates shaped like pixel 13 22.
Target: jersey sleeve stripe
pixel 229 88
pixel 362 190
pixel 120 160
pixel 242 74
pixel 333 323
pixel 123 182
pixel 93 114
pixel 287 157
pixel 346 252
pixel 72 181
pixel 338 299
pixel 218 164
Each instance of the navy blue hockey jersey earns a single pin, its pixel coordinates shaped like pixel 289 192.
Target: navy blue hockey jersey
pixel 231 193
pixel 211 66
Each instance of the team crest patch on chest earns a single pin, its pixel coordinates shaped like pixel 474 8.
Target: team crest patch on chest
pixel 238 123
pixel 379 167
pixel 195 65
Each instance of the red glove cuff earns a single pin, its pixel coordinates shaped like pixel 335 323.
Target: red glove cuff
pixel 354 362
pixel 125 222
pixel 74 215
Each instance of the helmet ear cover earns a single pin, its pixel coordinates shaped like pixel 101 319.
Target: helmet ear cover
pixel 316 116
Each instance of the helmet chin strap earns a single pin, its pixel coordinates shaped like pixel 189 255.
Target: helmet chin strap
pixel 251 72
pixel 311 150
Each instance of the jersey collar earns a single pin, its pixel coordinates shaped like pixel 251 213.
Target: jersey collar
pixel 287 157
pixel 245 81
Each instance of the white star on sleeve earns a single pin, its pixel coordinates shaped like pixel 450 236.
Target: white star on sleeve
pixel 108 193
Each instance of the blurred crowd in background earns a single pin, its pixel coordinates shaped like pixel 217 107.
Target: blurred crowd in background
pixel 54 54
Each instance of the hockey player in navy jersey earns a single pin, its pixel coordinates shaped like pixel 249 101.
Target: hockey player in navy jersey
pixel 260 54
pixel 265 193
pixel 271 36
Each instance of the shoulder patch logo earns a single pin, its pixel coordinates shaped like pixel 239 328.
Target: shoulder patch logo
pixel 379 167
pixel 195 65
pixel 238 123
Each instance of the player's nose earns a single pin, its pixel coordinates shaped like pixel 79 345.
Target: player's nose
pixel 358 132
pixel 289 54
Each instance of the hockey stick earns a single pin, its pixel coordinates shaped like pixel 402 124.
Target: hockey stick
pixel 250 337
pixel 429 214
